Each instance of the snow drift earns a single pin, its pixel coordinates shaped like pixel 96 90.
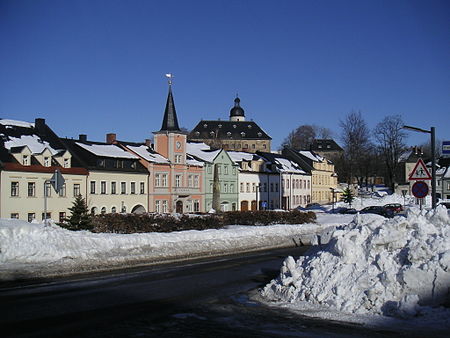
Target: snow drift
pixel 374 265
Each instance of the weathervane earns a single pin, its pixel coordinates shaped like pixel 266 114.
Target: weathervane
pixel 169 77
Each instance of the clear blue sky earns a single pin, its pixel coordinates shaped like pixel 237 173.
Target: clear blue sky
pixel 93 67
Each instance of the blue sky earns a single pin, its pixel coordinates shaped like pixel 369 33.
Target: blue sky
pixel 94 67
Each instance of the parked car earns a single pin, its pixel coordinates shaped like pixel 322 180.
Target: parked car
pixel 395 207
pixel 379 210
pixel 344 210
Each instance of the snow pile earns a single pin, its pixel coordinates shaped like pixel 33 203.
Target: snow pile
pixel 23 244
pixel 394 267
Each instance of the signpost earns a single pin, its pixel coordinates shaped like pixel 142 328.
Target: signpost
pixel 420 172
pixel 420 190
pixel 446 148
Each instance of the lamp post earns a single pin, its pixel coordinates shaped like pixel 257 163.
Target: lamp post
pixel 432 132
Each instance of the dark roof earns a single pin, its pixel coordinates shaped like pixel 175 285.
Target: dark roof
pixel 325 145
pixel 170 121
pixel 89 160
pixel 233 130
pixel 237 109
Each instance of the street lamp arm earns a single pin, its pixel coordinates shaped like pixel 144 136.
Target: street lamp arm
pixel 417 129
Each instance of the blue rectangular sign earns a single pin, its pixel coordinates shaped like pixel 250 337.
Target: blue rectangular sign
pixel 446 147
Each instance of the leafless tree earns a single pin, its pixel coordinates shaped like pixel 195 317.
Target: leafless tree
pixel 356 142
pixel 390 139
pixel 302 137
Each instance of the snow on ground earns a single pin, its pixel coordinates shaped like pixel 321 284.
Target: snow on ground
pixel 371 268
pixel 35 249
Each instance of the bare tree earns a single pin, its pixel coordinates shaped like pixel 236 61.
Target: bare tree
pixel 302 137
pixel 390 139
pixel 356 143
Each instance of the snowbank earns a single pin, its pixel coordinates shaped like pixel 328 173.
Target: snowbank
pixel 395 267
pixel 37 249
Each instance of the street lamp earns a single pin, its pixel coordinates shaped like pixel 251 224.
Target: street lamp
pixel 432 131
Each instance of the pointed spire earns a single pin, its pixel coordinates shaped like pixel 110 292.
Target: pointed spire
pixel 170 121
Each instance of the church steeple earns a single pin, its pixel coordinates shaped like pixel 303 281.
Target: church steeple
pixel 170 121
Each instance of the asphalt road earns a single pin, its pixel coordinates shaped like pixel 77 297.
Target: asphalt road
pixel 199 299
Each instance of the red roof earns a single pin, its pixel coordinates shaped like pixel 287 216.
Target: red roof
pixel 42 169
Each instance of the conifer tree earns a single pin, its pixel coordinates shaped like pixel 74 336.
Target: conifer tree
pixel 80 218
pixel 347 196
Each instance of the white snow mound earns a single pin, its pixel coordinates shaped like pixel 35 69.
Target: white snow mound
pixel 395 267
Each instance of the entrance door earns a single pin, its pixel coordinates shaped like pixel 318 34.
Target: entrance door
pixel 179 207
pixel 244 205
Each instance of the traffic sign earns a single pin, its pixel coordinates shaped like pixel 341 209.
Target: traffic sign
pixel 57 181
pixel 446 147
pixel 420 172
pixel 420 189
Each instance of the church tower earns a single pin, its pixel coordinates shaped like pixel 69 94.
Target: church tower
pixel 237 113
pixel 170 141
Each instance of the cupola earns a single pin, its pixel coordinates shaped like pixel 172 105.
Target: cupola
pixel 237 113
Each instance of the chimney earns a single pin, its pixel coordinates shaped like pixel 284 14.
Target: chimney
pixel 110 138
pixel 82 137
pixel 39 125
pixel 148 142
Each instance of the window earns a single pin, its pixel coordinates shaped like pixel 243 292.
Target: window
pixel 31 216
pixel 158 206
pixel 31 189
pixel 46 161
pixel 233 170
pixel 253 187
pixel 209 169
pixel 271 187
pixel 123 188
pixel 248 187
pixel 142 188
pixel 231 188
pixel 103 210
pixel 241 187
pixel 14 189
pixel 196 181
pixel 225 187
pixel 103 187
pixel 157 180
pixel 265 187
pixel 211 188
pixel 133 188
pixel 44 217
pixel 92 187
pixel 225 169
pixel 196 205
pixel 25 160
pixel 276 187
pixel 47 189
pixel 113 188
pixel 177 180
pixel 66 163
pixel 62 216
pixel 15 215
pixel 253 146
pixel 190 181
pixel 62 191
pixel 219 169
pixel 164 180
pixel 113 210
pixel 76 190
pixel 164 206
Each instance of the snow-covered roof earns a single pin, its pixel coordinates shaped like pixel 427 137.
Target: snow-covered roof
pixel 15 123
pixel 34 143
pixel 145 153
pixel 107 150
pixel 239 156
pixel 311 155
pixel 201 151
pixel 285 165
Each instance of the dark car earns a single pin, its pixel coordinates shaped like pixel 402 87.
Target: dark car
pixel 382 211
pixel 395 207
pixel 344 210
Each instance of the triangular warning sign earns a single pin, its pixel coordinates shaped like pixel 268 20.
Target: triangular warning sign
pixel 420 172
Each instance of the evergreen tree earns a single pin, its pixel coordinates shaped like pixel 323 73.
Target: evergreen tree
pixel 80 218
pixel 347 196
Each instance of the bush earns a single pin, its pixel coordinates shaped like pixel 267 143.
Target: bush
pixel 133 223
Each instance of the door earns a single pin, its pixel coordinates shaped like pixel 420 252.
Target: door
pixel 179 207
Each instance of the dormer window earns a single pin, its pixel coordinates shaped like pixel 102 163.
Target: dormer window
pixel 249 126
pixel 234 126
pixel 26 160
pixel 259 134
pixel 205 126
pixel 66 163
pixel 46 161
pixel 229 134
pixel 220 126
pixel 242 134
pixel 211 133
pixel 197 133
